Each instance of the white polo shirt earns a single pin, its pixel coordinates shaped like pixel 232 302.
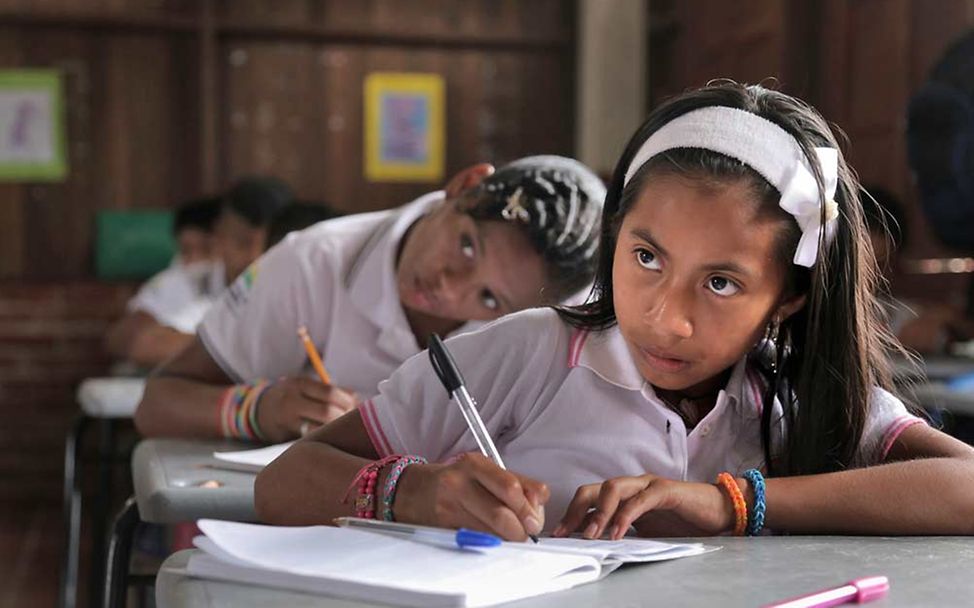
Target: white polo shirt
pixel 569 407
pixel 338 278
pixel 179 296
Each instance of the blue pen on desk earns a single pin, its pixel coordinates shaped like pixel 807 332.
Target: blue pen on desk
pixel 462 538
pixel 446 369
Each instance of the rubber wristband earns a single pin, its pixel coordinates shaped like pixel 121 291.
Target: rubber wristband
pixel 755 523
pixel 726 480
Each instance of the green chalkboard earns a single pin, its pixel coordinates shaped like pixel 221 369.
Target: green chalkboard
pixel 133 244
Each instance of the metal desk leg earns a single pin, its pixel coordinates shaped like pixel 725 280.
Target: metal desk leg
pixel 68 593
pixel 101 503
pixel 119 551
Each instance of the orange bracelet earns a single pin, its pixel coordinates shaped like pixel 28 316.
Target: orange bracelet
pixel 726 480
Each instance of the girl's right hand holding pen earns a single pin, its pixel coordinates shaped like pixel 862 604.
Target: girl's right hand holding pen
pixel 291 403
pixel 472 492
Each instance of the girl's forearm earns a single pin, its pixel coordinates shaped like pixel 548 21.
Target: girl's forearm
pixel 306 485
pixel 179 407
pixel 929 496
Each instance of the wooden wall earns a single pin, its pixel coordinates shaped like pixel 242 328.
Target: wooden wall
pixel 857 61
pixel 168 99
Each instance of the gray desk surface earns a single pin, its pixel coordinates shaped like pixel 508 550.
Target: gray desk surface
pixel 927 383
pixel 175 480
pixel 745 572
pixel 934 395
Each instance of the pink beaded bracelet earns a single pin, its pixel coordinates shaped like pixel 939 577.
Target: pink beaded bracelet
pixel 364 480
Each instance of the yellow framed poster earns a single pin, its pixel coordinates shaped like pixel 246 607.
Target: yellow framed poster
pixel 404 127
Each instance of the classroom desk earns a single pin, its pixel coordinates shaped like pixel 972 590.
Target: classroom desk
pixel 937 395
pixel 745 572
pixel 103 401
pixel 927 383
pixel 932 368
pixel 175 481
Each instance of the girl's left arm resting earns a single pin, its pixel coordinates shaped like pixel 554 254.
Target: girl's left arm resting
pixel 926 486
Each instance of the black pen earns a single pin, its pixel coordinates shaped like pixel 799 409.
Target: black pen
pixel 446 369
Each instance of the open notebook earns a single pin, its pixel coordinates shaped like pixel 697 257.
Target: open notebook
pixel 356 564
pixel 251 461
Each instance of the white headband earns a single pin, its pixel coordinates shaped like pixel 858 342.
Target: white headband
pixel 769 150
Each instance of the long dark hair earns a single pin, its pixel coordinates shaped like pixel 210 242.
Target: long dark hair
pixel 832 352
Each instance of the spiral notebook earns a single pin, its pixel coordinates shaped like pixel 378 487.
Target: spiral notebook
pixel 355 564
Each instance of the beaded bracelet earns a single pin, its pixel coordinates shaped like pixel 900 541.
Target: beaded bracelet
pixel 364 481
pixel 755 522
pixel 727 481
pixel 392 482
pixel 237 410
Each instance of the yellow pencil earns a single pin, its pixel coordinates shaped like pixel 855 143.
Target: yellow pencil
pixel 313 355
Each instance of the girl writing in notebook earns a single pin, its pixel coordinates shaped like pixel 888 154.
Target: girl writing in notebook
pixel 370 288
pixel 728 375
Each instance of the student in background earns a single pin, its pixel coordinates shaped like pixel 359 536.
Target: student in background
pixel 169 306
pixel 298 216
pixel 370 288
pixel 729 374
pixel 162 318
pixel 926 327
pixel 242 229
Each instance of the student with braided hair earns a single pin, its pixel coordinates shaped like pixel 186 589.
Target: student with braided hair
pixel 370 288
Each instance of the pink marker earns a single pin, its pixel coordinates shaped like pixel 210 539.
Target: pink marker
pixel 859 591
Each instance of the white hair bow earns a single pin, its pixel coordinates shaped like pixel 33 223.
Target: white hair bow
pixel 800 198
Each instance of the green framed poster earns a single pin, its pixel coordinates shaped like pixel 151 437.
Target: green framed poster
pixel 32 140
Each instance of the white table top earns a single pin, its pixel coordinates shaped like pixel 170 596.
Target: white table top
pixel 177 480
pixel 745 572
pixel 110 397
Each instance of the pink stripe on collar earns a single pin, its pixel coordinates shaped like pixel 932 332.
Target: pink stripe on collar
pixel 575 347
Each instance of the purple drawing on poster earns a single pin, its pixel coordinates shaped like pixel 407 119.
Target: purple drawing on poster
pixel 405 126
pixel 20 129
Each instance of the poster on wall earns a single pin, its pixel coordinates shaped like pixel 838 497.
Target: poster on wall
pixel 404 127
pixel 32 138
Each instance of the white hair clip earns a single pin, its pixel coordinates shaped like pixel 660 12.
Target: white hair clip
pixel 514 210
pixel 769 150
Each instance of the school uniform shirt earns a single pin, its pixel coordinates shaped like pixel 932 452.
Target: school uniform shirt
pixel 569 407
pixel 179 296
pixel 337 278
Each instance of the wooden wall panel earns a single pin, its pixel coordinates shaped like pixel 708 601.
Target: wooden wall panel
pixel 857 61
pixel 500 105
pixel 512 20
pixel 883 52
pixel 695 41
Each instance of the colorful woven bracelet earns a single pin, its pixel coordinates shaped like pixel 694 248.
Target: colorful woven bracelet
pixel 228 409
pixel 226 398
pixel 253 411
pixel 245 418
pixel 392 482
pixel 237 410
pixel 726 480
pixel 755 523
pixel 364 482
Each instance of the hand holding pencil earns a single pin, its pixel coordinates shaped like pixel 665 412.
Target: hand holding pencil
pixel 294 406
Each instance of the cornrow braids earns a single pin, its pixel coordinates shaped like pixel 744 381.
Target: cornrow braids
pixel 557 201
